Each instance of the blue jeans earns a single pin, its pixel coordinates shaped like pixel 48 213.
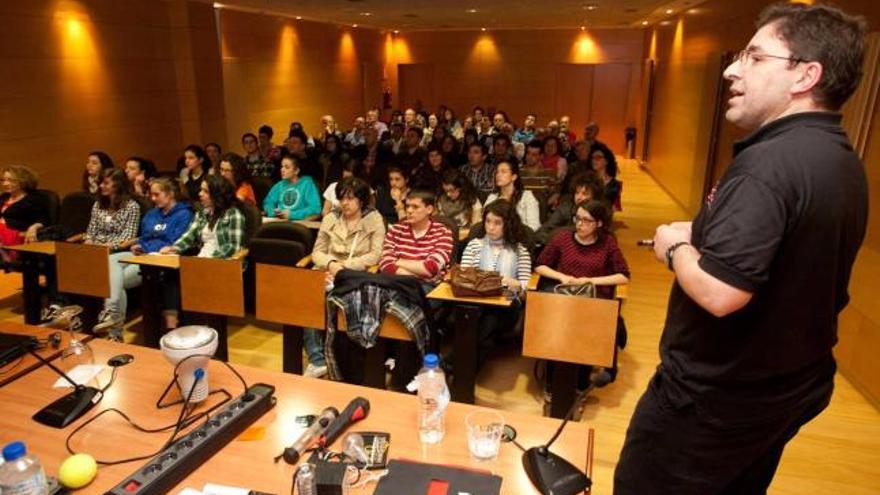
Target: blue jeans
pixel 313 341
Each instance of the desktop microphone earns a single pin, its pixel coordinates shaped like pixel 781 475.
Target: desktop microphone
pixel 645 243
pixel 309 437
pixel 551 474
pixel 70 407
pixel 356 410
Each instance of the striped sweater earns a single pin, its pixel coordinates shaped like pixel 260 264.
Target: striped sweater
pixel 434 248
pixel 523 269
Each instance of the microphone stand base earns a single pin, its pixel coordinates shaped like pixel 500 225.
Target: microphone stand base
pixel 69 408
pixel 553 475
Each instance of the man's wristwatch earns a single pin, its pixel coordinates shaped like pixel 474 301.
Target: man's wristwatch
pixel 671 251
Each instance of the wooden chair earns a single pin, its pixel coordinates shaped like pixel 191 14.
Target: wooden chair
pixel 211 290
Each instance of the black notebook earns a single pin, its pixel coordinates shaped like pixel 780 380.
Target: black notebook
pixel 416 478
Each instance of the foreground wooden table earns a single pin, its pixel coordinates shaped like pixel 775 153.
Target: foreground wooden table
pixel 27 362
pixel 249 463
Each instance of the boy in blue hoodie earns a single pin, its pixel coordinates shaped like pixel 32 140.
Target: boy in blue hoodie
pixel 294 197
pixel 160 227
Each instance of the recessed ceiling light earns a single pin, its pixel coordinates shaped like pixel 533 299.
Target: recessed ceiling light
pixel 583 28
pixel 665 23
pixel 669 11
pixel 471 11
pixel 483 29
pixel 354 25
pixel 299 18
pixel 396 31
pixel 366 14
pixel 591 6
pixel 644 23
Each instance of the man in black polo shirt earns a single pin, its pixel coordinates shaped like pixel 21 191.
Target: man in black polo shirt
pixel 761 273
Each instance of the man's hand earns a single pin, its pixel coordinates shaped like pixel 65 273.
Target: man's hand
pixel 666 236
pixel 684 227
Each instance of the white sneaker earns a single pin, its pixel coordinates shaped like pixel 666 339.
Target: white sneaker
pixel 313 371
pixel 107 320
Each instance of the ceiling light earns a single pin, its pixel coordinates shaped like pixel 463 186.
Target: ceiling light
pixel 354 25
pixel 665 23
pixel 483 29
pixel 366 14
pixel 218 5
pixel 644 23
pixel 669 11
pixel 591 6
pixel 471 11
pixel 396 31
pixel 299 18
pixel 583 28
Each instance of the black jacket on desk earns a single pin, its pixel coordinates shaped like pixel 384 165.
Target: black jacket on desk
pixel 25 212
pixel 784 223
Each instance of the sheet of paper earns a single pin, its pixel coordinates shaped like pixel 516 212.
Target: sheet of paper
pixel 81 374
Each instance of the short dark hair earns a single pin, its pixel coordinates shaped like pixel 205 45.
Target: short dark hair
pixel 480 145
pixel 589 181
pixel 599 211
pixel 427 197
pixel 247 135
pixel 357 188
pixel 501 137
pixel 537 144
pixel 267 130
pixel 418 130
pixel 823 34
pixel 299 134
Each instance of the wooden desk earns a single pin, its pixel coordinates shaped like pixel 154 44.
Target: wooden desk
pixel 309 224
pixel 34 258
pixel 83 269
pixel 27 362
pixel 249 463
pixel 467 320
pixel 211 290
pixel 152 268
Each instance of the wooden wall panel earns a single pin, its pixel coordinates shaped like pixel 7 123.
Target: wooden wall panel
pixel 81 75
pixel 516 71
pixel 279 70
pixel 611 93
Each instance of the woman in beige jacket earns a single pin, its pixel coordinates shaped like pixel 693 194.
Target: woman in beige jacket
pixel 350 237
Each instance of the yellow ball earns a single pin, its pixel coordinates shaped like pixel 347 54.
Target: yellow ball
pixel 77 471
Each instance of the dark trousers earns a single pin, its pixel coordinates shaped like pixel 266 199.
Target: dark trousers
pixel 673 448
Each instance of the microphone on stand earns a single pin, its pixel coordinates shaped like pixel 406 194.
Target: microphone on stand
pixel 70 407
pixel 645 243
pixel 551 474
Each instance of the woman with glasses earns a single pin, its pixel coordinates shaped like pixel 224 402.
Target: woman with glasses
pixel 590 254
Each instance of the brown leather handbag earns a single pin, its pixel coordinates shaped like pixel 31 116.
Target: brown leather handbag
pixel 473 282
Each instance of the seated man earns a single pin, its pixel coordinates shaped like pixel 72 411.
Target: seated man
pixel 418 246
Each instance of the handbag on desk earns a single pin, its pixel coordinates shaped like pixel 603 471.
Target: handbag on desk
pixel 582 290
pixel 473 282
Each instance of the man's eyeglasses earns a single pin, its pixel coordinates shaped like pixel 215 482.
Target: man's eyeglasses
pixel 750 56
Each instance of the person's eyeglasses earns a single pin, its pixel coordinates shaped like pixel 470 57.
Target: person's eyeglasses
pixel 583 220
pixel 750 56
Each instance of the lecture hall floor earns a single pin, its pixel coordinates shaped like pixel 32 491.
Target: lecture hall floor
pixel 838 453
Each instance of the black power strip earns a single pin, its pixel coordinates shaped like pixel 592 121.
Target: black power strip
pixel 161 473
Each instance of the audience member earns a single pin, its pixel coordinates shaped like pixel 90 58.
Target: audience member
pixel 605 167
pixel 195 163
pixel 140 172
pixel 214 153
pixel 527 132
pixel 459 203
pixel 268 149
pixel 96 163
pixel 551 159
pixel 583 187
pixel 429 174
pixel 257 164
pixel 23 211
pixel 480 173
pixel 509 186
pixel 293 197
pixel 233 169
pixel 390 197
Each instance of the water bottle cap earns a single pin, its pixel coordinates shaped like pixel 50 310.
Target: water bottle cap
pixel 13 451
pixel 431 361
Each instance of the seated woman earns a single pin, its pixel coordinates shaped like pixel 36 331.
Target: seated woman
pixel 605 167
pixel 160 227
pixel 390 198
pixel 350 238
pixel 96 163
pixel 114 223
pixel 23 211
pixel 233 169
pixel 551 160
pixel 459 203
pixel 332 159
pixel 502 249
pixel 509 186
pixel 217 230
pixel 590 254
pixel 293 197
pixel 139 172
pixel 582 187
pixel 196 164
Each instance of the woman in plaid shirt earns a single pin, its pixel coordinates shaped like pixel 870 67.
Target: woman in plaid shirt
pixel 217 229
pixel 114 223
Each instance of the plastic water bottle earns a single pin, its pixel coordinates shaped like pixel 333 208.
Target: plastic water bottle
pixel 305 480
pixel 433 399
pixel 21 474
